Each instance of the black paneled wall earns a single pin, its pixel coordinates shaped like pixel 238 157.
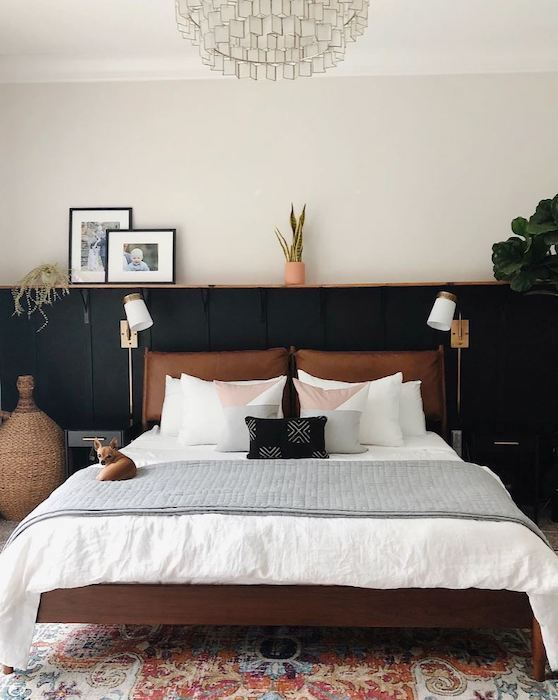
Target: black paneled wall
pixel 509 372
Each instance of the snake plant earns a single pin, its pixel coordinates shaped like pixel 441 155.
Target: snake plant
pixel 293 251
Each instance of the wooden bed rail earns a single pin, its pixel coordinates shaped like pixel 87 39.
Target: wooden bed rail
pixel 538 652
pixel 319 606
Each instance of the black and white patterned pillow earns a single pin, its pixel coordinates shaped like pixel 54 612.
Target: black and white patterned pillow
pixel 287 438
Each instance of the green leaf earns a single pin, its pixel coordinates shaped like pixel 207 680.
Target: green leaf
pixel 508 257
pixel 519 226
pixel 298 241
pixel 537 251
pixel 283 243
pixel 523 281
pixel 543 212
pixel 302 218
pixel 554 209
pixel 535 229
pixel 293 220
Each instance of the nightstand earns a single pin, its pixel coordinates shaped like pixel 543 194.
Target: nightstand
pixel 79 445
pixel 514 457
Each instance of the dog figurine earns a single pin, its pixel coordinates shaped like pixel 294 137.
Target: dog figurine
pixel 116 466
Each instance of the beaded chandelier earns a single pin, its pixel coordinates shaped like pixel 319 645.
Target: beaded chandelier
pixel 271 39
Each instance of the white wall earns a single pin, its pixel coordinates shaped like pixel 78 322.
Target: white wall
pixel 406 178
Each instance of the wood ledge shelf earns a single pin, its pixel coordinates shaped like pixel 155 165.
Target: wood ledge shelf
pixel 348 285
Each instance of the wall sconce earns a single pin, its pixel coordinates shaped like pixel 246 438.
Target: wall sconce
pixel 138 319
pixel 441 319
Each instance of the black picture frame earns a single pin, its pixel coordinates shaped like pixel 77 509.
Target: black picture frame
pixel 138 278
pixel 90 277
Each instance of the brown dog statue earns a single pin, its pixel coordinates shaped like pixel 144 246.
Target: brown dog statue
pixel 116 466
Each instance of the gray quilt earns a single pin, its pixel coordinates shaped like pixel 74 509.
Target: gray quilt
pixel 315 488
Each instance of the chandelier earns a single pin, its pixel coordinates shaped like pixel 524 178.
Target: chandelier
pixel 271 39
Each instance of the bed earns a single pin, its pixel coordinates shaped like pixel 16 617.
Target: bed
pixel 216 569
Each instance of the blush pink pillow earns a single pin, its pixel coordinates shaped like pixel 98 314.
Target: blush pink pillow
pixel 239 402
pixel 343 409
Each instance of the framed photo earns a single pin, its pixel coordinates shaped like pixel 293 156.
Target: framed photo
pixel 88 241
pixel 140 256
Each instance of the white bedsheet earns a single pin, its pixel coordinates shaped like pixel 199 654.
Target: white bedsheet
pixel 152 447
pixel 423 553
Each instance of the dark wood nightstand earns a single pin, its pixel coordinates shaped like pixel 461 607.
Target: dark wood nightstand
pixel 79 445
pixel 515 458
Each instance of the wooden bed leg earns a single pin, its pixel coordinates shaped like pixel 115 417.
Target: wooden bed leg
pixel 7 670
pixel 538 653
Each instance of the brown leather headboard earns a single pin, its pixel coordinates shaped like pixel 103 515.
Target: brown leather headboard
pixel 223 366
pixel 426 365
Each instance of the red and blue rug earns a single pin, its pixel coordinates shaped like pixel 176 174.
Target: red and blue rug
pixel 209 663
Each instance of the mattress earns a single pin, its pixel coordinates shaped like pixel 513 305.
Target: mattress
pixel 153 447
pixel 238 549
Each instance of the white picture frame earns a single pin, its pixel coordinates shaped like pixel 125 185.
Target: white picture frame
pixel 141 256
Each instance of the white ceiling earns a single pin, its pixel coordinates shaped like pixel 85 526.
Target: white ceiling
pixel 137 39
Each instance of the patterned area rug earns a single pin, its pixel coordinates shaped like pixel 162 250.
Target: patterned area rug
pixel 550 529
pixel 6 528
pixel 209 663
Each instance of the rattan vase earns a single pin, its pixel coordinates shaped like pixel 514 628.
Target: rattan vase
pixel 31 456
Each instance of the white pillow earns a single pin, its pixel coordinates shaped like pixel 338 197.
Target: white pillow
pixel 380 421
pixel 411 410
pixel 171 413
pixel 203 421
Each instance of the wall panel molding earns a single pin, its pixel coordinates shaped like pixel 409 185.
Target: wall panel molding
pixel 509 376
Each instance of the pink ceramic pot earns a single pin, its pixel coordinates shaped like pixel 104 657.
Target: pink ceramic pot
pixel 295 273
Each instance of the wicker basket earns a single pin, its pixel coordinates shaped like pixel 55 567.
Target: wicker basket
pixel 31 456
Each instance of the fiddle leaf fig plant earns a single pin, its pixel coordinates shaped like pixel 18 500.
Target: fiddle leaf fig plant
pixel 530 257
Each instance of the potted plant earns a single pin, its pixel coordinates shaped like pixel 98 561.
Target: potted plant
pixel 39 288
pixel 295 272
pixel 530 257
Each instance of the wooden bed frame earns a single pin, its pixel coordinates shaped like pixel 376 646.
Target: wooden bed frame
pixel 335 606
pixel 319 606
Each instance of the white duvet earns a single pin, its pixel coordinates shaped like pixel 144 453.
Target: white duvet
pixel 422 553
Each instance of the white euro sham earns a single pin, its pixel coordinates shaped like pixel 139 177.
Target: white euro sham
pixel 171 413
pixel 411 410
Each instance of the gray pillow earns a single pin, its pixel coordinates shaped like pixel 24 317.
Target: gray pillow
pixel 341 430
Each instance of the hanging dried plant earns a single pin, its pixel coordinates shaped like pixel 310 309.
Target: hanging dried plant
pixel 293 251
pixel 40 287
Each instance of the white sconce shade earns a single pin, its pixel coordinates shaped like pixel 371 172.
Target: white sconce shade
pixel 442 312
pixel 139 318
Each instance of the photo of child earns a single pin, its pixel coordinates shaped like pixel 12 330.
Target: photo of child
pixel 143 257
